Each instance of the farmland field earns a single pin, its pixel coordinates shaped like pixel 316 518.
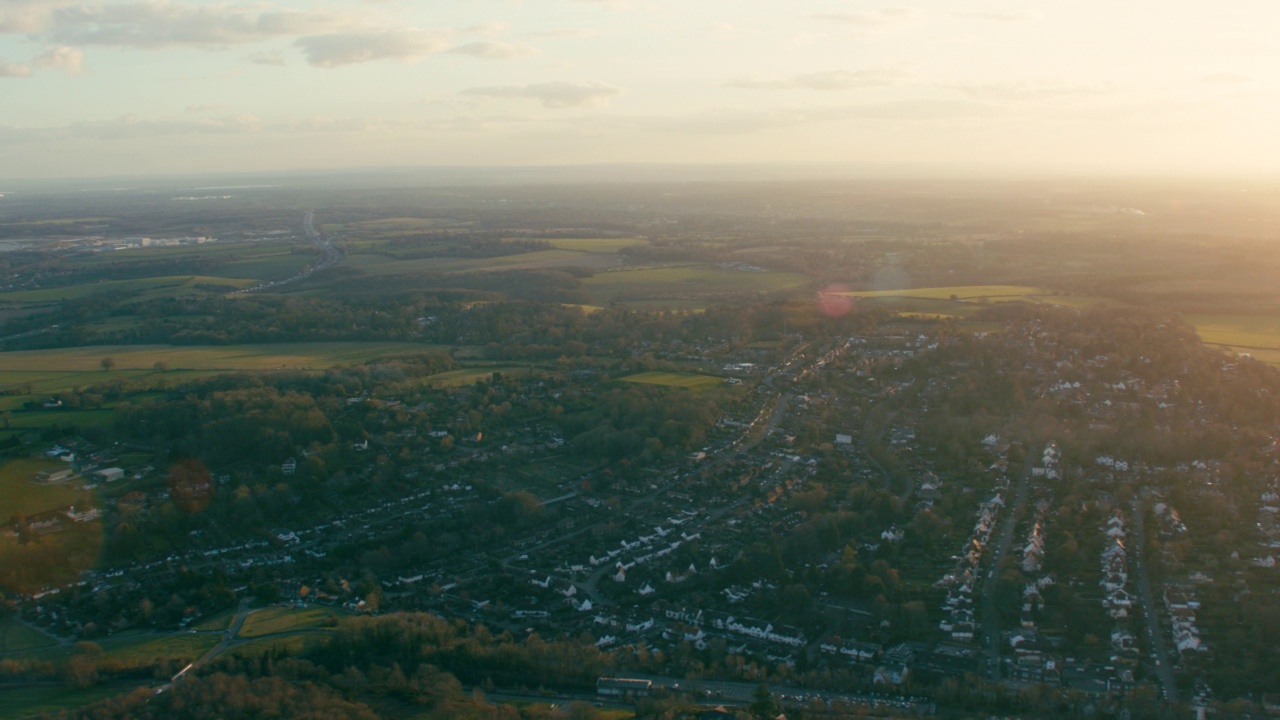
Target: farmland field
pixel 37 700
pixel 84 360
pixel 159 286
pixel 20 493
pixel 653 283
pixel 689 381
pixel 272 620
pixel 16 636
pixel 597 245
pixel 387 265
pixel 1239 331
pixel 962 292
pixel 470 376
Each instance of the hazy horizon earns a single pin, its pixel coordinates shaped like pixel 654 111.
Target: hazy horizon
pixel 176 87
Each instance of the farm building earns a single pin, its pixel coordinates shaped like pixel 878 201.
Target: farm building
pixel 109 474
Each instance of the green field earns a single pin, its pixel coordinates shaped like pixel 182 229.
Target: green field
pixel 597 245
pixel 170 285
pixel 33 701
pixel 19 492
pixel 274 620
pixel 689 381
pixel 16 637
pixel 1239 331
pixel 683 281
pixel 470 376
pixel 387 265
pixel 86 360
pixel 962 292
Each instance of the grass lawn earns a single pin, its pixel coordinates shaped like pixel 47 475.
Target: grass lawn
pixel 470 376
pixel 219 621
pixel 19 492
pixel 272 620
pixel 689 381
pixel 26 702
pixel 292 643
pixel 16 636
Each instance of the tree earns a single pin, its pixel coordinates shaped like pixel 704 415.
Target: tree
pixel 763 706
pixel 160 366
pixel 108 363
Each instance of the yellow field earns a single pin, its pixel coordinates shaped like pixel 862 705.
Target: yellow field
pixel 689 381
pixel 1241 331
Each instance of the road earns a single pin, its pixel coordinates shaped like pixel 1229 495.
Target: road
pixel 1150 612
pixel 329 256
pixel 990 614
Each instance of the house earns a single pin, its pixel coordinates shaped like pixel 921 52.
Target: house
pixel 289 467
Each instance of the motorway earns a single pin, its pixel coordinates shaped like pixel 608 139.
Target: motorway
pixel 329 256
pixel 1155 638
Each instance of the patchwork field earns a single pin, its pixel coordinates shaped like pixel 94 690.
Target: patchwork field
pixel 689 381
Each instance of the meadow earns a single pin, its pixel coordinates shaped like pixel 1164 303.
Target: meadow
pixel 85 362
pixel 276 620
pixel 19 492
pixel 18 637
pixel 1247 332
pixel 681 281
pixel 689 381
pixel 152 287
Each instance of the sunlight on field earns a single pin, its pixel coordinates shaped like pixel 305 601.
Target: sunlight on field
pixel 273 620
pixel 19 491
pixel 689 381
pixel 597 245
pixel 962 292
pixel 682 281
pixel 1243 331
pixel 219 357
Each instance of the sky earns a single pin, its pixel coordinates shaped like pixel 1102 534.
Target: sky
pixel 135 87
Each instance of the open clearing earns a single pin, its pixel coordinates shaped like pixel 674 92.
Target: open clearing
pixel 656 283
pixel 156 286
pixel 387 265
pixel 16 637
pixel 273 620
pixel 471 376
pixel 1239 331
pixel 19 492
pixel 689 381
pixel 597 245
pixel 963 292
pixel 33 701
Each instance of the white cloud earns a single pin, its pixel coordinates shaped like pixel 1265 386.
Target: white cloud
pixel 869 21
pixel 495 49
pixel 274 58
pixel 1029 91
pixel 989 16
pixel 572 32
pixel 11 69
pixel 828 80
pixel 68 59
pixel 1225 78
pixel 558 94
pixel 162 23
pixel 357 47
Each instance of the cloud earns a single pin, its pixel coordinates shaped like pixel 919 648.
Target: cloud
pixel 871 20
pixel 553 94
pixel 828 80
pixel 274 59
pixel 1224 78
pixel 11 69
pixel 358 47
pixel 495 49
pixel 613 4
pixel 739 121
pixel 991 16
pixel 1032 91
pixel 204 108
pixel 162 23
pixel 68 59
pixel 576 32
